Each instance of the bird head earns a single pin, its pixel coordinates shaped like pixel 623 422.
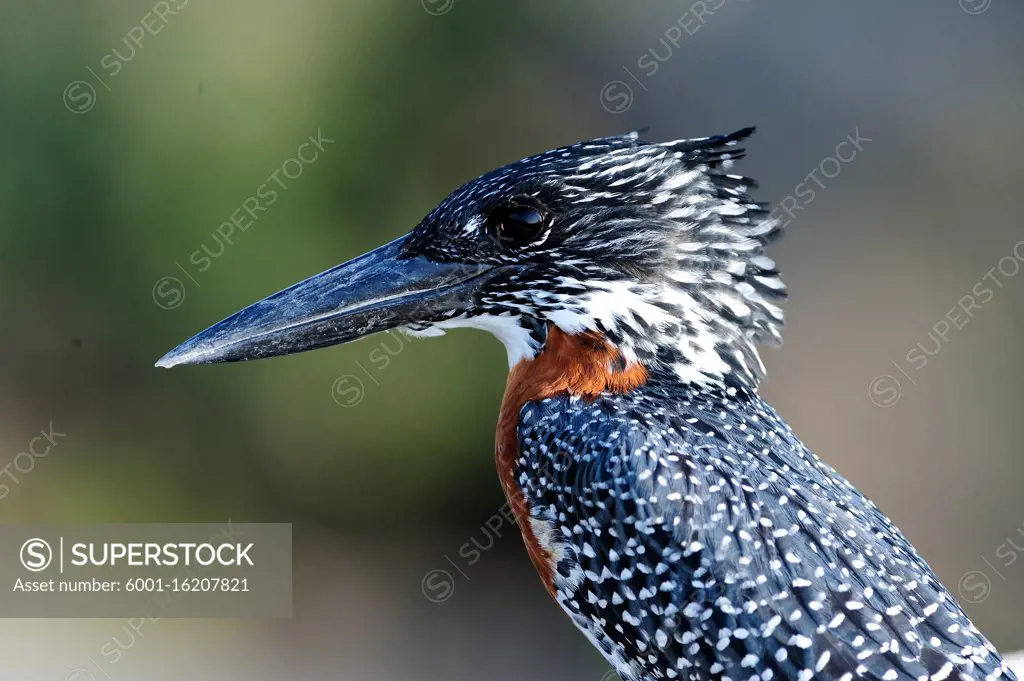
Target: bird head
pixel 651 246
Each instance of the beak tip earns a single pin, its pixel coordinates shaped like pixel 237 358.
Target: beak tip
pixel 183 354
pixel 165 362
pixel 171 359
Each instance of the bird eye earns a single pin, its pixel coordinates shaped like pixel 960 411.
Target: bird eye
pixel 515 225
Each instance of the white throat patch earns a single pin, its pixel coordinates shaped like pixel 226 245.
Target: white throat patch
pixel 517 341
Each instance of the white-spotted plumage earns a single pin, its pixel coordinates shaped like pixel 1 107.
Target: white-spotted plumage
pixel 690 533
pixel 712 543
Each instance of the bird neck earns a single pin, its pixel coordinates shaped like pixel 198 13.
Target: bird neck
pixel 678 324
pixel 583 365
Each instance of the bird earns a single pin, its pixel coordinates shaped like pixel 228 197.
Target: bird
pixel 670 512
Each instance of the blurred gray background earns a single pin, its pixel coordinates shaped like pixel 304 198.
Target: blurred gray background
pixel 118 167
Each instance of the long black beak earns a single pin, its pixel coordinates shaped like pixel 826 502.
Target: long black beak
pixel 374 292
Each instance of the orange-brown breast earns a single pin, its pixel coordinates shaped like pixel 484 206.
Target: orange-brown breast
pixel 586 365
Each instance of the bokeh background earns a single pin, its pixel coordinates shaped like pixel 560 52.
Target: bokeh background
pixel 114 182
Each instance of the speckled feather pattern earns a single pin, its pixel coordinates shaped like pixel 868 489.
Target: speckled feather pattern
pixel 699 539
pixel 682 525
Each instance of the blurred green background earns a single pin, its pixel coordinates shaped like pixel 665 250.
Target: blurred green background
pixel 117 169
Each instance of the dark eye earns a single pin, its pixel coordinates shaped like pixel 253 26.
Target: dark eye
pixel 515 225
